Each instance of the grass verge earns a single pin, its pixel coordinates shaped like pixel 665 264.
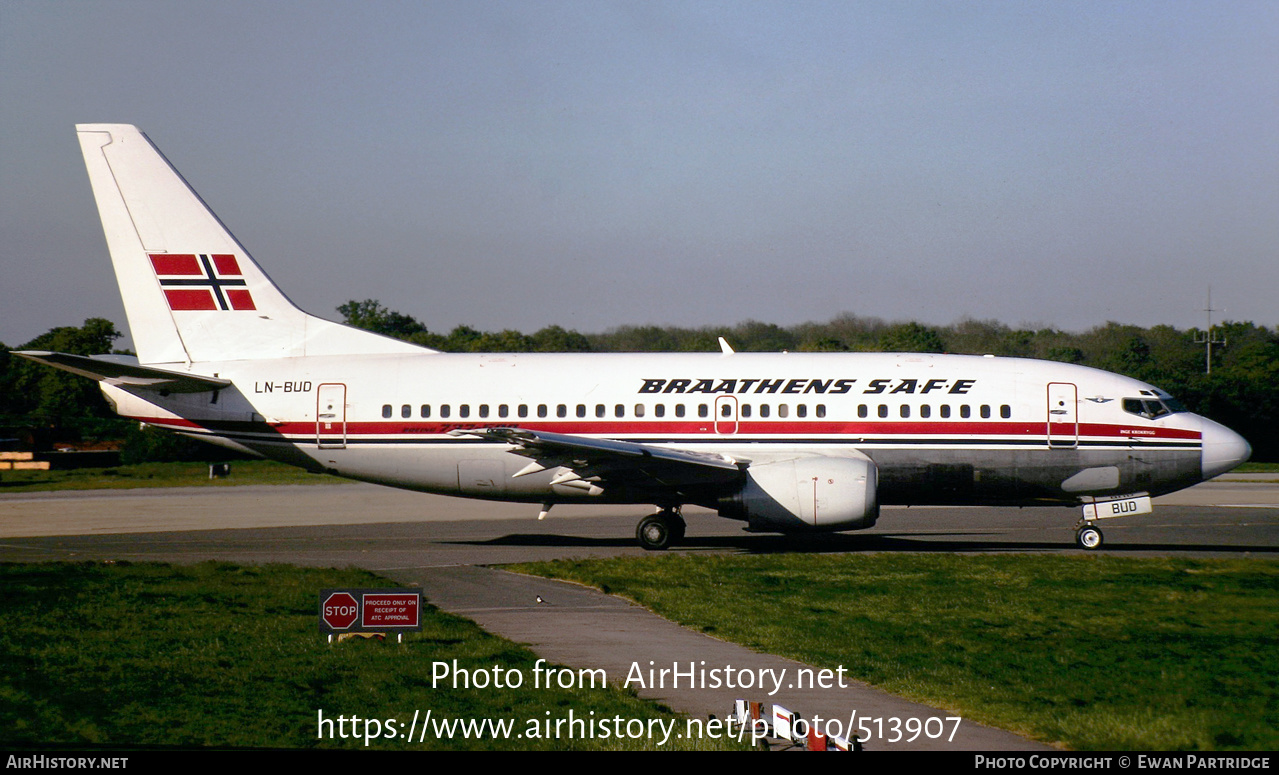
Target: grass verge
pixel 1257 468
pixel 1094 653
pixel 159 475
pixel 221 655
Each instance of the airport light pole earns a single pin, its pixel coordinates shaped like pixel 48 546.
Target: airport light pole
pixel 1207 339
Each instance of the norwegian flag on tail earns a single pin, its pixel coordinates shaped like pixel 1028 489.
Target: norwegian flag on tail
pixel 202 282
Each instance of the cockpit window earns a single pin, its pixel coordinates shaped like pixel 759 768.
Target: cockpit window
pixel 1152 409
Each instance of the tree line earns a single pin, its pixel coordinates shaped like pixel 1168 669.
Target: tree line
pixel 1242 390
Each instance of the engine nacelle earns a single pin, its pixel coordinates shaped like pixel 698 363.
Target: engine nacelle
pixel 813 493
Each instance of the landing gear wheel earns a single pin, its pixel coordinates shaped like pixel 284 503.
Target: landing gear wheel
pixel 1089 537
pixel 654 532
pixel 660 531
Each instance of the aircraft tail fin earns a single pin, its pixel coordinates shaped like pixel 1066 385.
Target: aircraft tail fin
pixel 191 291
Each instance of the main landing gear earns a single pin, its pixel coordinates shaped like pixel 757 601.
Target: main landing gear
pixel 661 530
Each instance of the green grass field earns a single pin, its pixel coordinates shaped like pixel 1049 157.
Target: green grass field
pixel 159 475
pixel 1097 653
pixel 1085 652
pixel 220 655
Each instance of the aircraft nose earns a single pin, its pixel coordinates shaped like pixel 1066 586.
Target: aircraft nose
pixel 1223 449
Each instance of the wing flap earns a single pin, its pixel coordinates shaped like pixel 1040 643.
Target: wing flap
pixel 612 463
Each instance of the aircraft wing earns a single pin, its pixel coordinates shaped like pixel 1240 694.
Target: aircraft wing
pixel 125 371
pixel 606 463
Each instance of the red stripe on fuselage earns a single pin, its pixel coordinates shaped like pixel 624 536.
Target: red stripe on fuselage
pixel 754 429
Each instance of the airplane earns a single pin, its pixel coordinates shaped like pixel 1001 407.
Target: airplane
pixel 785 442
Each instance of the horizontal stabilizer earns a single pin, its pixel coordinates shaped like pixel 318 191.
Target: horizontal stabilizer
pixel 124 371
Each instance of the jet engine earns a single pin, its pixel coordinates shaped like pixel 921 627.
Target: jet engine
pixel 803 494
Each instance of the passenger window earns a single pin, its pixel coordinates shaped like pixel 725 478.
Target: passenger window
pixel 726 410
pixel 821 410
pixel 561 410
pixel 581 410
pixel 945 411
pixel 541 410
pixel 746 410
pixel 619 411
pixel 985 412
pixel 599 410
pixel 484 410
pixel 703 410
pixel 406 411
pixel 659 410
pixel 386 410
pixel 1005 411
pixel 522 411
pixel 883 411
pixel 862 411
pixel 764 410
pixel 502 410
pixel 426 410
pixel 784 411
pixel 801 410
pixel 925 411
pixel 905 411
pixel 679 410
pixel 965 412
pixel 444 410
pixel 639 410
pixel 464 410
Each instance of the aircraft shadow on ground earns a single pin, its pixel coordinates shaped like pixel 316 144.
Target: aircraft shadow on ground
pixel 843 544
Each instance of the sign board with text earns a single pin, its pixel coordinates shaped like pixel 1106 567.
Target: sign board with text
pixel 370 610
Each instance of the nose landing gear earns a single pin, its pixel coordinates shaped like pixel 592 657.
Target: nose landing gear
pixel 1088 536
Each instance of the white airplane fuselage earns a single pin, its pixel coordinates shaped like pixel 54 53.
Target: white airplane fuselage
pixel 939 428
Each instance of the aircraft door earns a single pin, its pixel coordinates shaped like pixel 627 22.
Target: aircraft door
pixel 726 414
pixel 330 416
pixel 1063 415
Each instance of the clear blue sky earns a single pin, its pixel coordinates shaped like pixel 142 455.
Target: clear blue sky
pixel 594 164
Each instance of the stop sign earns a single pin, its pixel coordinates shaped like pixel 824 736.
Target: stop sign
pixel 339 610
